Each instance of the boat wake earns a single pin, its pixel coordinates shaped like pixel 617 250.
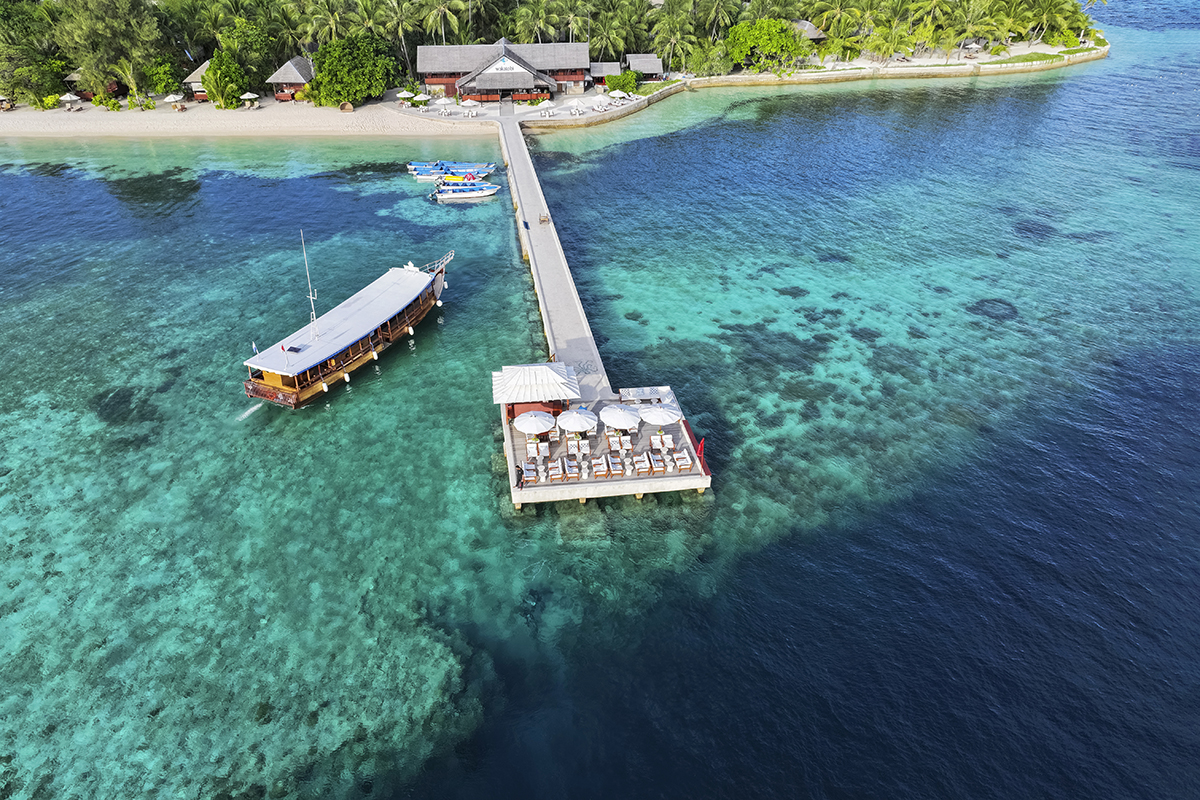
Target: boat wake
pixel 249 411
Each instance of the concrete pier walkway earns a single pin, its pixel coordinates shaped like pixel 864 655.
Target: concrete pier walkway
pixel 567 330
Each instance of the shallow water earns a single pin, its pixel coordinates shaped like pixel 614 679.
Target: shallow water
pixel 940 339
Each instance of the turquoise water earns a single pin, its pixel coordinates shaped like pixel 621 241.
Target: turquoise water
pixel 857 292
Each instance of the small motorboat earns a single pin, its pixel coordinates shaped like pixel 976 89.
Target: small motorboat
pixel 459 192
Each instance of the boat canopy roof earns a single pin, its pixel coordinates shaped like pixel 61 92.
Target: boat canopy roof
pixel 344 324
pixel 534 383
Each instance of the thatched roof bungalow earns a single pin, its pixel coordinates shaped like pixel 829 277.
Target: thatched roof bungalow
pixel 193 82
pixel 602 70
pixel 291 78
pixel 648 64
pixel 487 71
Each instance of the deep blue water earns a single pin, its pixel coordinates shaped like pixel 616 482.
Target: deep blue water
pixel 1023 623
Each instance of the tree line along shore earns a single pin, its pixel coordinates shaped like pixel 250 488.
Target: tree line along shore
pixel 360 48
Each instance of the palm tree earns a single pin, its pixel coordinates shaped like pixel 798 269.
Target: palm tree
pixel 369 17
pixel 830 14
pixel 608 36
pixel 1048 14
pixel 436 13
pixel 400 18
pixel 574 14
pixel 673 33
pixel 973 21
pixel 1012 18
pixel 328 20
pixel 533 18
pixel 718 15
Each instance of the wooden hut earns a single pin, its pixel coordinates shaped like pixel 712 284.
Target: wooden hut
pixel 648 64
pixel 602 70
pixel 193 82
pixel 291 78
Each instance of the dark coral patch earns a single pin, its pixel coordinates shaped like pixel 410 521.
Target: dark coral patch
pixel 793 291
pixel 994 308
pixel 834 257
pixel 868 335
pixel 1034 229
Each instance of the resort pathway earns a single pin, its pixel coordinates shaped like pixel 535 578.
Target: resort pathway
pixel 567 330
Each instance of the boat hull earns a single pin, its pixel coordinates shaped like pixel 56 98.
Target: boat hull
pixel 259 387
pixel 463 196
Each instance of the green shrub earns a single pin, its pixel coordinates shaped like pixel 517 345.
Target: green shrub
pixel 112 104
pixel 148 104
pixel 1027 58
pixel 301 95
pixel 49 101
pixel 998 50
pixel 1100 42
pixel 627 81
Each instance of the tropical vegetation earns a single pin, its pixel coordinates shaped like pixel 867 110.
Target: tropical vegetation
pixel 148 46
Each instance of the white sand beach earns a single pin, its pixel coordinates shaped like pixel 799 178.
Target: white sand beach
pixel 204 119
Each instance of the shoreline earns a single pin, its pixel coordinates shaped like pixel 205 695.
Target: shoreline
pixel 383 118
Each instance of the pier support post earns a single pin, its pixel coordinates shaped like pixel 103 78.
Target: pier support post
pixel 517 506
pixel 698 491
pixel 638 495
pixel 582 500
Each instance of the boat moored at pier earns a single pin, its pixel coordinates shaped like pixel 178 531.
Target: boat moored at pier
pixel 455 192
pixel 306 364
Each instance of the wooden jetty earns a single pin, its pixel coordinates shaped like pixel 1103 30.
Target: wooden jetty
pixel 647 465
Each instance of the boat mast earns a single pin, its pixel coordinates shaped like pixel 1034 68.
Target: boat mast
pixel 313 333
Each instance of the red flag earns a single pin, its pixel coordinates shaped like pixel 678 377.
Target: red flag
pixel 284 349
pixel 700 448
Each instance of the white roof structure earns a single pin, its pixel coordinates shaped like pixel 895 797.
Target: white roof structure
pixel 344 324
pixel 198 74
pixel 534 383
pixel 298 70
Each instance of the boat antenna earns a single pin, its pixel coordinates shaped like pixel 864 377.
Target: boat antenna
pixel 313 333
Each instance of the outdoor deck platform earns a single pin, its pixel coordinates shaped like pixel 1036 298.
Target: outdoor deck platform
pixel 570 340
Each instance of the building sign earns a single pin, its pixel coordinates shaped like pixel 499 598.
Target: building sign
pixel 504 65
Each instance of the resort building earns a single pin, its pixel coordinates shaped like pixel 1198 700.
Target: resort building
pixel 291 78
pixel 490 71
pixel 648 64
pixel 603 70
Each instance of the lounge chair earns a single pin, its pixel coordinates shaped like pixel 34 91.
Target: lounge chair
pixel 668 441
pixel 626 443
pixel 656 442
pixel 657 465
pixel 572 447
pixel 529 472
pixel 572 469
pixel 556 470
pixel 600 466
pixel 531 450
pixel 615 468
pixel 554 435
pixel 585 447
pixel 683 460
pixel 543 449
pixel 641 464
pixel 614 441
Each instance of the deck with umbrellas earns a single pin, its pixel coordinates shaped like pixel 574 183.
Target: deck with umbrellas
pixel 559 448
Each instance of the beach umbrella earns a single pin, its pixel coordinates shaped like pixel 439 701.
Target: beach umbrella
pixel 546 104
pixel 471 103
pixel 661 414
pixel 421 96
pixel 577 420
pixel 444 101
pixel 249 96
pixel 576 103
pixel 69 98
pixel 172 98
pixel 618 94
pixel 534 422
pixel 625 418
pixel 405 94
pixel 974 46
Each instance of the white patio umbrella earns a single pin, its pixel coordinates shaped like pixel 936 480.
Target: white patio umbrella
pixel 974 46
pixel 534 422
pixel 470 103
pixel 172 98
pixel 546 104
pixel 249 96
pixel 421 96
pixel 577 420
pixel 661 414
pixel 618 94
pixel 444 101
pixel 619 416
pixel 576 103
pixel 405 94
pixel 69 98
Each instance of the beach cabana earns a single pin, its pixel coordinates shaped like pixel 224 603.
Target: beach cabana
pixel 601 71
pixel 535 387
pixel 291 78
pixel 193 82
pixel 648 64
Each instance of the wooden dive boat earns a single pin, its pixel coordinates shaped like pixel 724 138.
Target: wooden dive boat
pixel 304 366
